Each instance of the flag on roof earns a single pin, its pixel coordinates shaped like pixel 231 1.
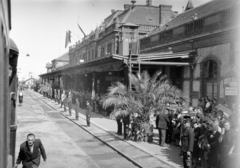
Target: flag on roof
pixel 68 38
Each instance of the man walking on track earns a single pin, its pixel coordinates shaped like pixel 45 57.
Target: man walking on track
pixel 30 152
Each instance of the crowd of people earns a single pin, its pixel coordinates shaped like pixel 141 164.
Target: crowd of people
pixel 206 134
pixel 75 100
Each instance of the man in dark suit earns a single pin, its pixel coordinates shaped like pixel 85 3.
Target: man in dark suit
pixel 30 152
pixel 187 141
pixel 163 121
pixel 119 125
pixel 88 112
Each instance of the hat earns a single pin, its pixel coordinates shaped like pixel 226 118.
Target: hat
pixel 187 118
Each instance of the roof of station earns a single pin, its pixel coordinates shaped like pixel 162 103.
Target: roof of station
pixel 201 11
pixel 141 14
pixel 64 57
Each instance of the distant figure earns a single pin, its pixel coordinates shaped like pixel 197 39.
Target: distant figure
pixel 88 113
pixel 30 152
pixel 69 102
pixel 63 100
pixel 119 122
pixel 77 107
pixel 20 97
pixel 59 96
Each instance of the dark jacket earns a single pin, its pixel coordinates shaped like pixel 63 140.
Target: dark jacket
pixel 88 110
pixel 27 158
pixel 196 150
pixel 163 120
pixel 74 98
pixel 187 140
pixel 214 147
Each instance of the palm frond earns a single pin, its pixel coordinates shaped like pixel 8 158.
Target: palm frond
pixel 150 94
pixel 117 113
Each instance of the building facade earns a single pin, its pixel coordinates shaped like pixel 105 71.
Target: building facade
pixel 211 33
pixel 197 49
pixel 94 63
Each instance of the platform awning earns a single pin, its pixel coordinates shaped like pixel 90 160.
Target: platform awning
pixel 159 58
pixel 161 63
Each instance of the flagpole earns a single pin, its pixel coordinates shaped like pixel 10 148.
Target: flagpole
pixel 78 31
pixel 59 45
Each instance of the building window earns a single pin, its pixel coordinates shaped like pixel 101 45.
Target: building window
pixel 189 27
pixel 98 52
pixel 194 26
pixel 88 56
pixel 84 56
pixel 198 24
pixel 102 51
pixel 211 69
pixel 73 58
pixel 210 83
pixel 92 54
pixel 109 48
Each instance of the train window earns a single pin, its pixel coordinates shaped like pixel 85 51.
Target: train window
pixel 10 70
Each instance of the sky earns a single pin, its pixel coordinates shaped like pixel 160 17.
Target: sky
pixel 39 26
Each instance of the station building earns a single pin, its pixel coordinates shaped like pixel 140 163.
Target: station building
pixel 98 60
pixel 210 33
pixel 197 49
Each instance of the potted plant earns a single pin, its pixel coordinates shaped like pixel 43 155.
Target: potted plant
pixel 148 96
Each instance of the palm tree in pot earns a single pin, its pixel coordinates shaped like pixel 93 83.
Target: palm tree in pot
pixel 150 95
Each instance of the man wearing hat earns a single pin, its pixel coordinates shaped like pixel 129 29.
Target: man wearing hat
pixel 187 141
pixel 88 112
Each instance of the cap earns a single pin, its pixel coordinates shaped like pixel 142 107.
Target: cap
pixel 187 118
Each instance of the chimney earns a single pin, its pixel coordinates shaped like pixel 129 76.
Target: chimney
pixel 165 14
pixel 149 2
pixel 113 10
pixel 127 6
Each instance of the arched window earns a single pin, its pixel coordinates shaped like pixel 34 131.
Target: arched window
pixel 210 79
pixel 211 69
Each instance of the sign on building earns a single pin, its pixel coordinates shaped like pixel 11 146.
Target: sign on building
pixel 231 91
pixel 233 84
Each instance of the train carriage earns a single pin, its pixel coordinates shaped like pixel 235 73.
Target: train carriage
pixel 8 84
